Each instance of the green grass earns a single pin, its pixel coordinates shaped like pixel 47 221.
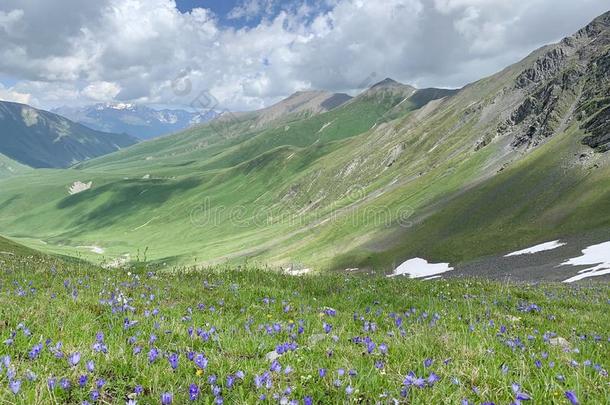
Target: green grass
pixel 458 324
pixel 8 167
pixel 10 248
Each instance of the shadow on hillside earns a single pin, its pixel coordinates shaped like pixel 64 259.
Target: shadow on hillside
pixel 122 199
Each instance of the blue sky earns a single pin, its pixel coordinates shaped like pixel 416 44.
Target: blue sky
pixel 223 8
pixel 249 13
pixel 220 7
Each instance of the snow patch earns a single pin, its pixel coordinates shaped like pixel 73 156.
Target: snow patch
pixel 297 272
pixel 122 106
pixel 538 248
pixel 597 256
pixel 167 118
pixel 79 187
pixel 325 126
pixel 95 249
pixel 30 116
pixel 118 262
pixel 143 225
pixel 418 267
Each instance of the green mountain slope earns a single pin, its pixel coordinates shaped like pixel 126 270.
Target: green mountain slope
pixel 513 159
pixel 166 182
pixel 239 137
pixel 10 248
pixel 42 139
pixel 8 167
pixel 502 164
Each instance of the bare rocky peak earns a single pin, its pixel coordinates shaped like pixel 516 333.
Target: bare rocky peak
pixel 302 102
pixel 559 86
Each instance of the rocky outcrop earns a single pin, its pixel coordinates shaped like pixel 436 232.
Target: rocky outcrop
pixel 544 68
pixel 594 109
pixel 599 129
pixel 393 154
pixel 569 80
pixel 540 114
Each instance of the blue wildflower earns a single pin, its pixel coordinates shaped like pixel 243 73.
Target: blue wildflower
pixel 15 386
pixel 35 351
pixel 167 398
pixel 173 360
pixel 152 355
pixel 64 383
pixel 193 392
pixel 73 359
pixel 571 396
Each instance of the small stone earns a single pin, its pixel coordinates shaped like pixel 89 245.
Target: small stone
pixel 271 356
pixel 313 339
pixel 559 341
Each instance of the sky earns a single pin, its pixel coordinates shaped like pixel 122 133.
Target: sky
pixel 246 54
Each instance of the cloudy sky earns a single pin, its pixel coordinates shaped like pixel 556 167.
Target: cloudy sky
pixel 250 53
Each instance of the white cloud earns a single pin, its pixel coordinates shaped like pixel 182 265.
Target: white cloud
pixel 8 20
pixel 102 91
pixel 250 9
pixel 70 51
pixel 14 96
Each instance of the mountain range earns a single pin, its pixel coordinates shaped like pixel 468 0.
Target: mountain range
pixel 324 181
pixel 41 139
pixel 136 120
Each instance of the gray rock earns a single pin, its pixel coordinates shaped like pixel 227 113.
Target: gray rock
pixel 559 341
pixel 272 356
pixel 313 339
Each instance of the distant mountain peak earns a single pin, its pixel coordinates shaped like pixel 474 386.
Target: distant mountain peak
pixel 389 85
pixel 137 120
pixel 387 82
pixel 303 102
pixel 115 106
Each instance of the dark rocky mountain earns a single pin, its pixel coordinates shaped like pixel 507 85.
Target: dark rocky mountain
pixel 42 139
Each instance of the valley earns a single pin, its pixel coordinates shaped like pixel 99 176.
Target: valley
pixel 394 173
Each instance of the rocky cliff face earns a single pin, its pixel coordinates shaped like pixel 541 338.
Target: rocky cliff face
pixel 594 109
pixel 569 80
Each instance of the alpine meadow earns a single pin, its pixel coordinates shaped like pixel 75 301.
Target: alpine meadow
pixel 243 201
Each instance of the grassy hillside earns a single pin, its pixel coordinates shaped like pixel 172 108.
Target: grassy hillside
pixel 248 335
pixel 166 182
pixel 8 167
pixel 240 138
pixel 42 139
pixel 10 248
